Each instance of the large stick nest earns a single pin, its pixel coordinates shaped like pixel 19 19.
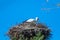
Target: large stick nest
pixel 27 31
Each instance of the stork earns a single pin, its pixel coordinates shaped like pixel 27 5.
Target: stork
pixel 32 20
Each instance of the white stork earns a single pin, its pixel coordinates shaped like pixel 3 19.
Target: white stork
pixel 32 20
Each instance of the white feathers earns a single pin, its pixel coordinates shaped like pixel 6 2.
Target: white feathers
pixel 31 20
pixel 36 18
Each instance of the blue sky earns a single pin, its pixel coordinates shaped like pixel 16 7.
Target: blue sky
pixel 13 12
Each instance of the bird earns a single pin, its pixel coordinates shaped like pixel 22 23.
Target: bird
pixel 31 20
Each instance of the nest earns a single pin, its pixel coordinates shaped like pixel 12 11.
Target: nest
pixel 29 31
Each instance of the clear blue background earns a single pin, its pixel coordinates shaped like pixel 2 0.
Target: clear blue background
pixel 13 12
